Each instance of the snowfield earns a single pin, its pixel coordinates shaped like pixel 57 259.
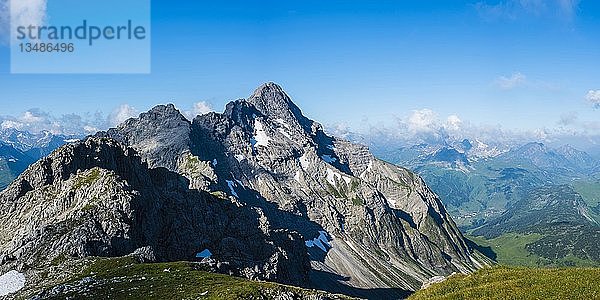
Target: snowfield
pixel 11 282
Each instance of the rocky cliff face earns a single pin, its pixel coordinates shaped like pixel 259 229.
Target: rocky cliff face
pixel 366 223
pixel 98 198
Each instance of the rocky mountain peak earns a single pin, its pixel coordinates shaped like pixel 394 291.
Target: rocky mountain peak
pixel 164 112
pixel 159 134
pixel 272 101
pixel 344 202
pixel 534 147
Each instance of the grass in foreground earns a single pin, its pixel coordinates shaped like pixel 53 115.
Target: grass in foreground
pixel 123 278
pixel 517 283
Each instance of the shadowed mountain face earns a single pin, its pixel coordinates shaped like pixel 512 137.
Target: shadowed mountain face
pixel 12 163
pixel 97 198
pixel 366 224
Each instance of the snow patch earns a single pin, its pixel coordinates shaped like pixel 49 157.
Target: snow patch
pixel 147 146
pixel 321 241
pixel 282 122
pixel 282 129
pixel 391 202
pixel 231 184
pixel 261 138
pixel 204 254
pixel 369 168
pixel 11 282
pixel 347 179
pixel 12 160
pixel 240 157
pixel 71 140
pixel 332 176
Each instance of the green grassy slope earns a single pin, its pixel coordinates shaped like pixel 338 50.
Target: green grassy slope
pixel 517 283
pixel 510 249
pixel 124 278
pixel 513 249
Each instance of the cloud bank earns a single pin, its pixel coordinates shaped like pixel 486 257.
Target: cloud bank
pixel 121 114
pixel 36 120
pixel 593 97
pixel 199 108
pixel 425 126
pixel 20 13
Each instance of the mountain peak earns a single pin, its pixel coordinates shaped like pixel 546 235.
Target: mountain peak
pixel 271 100
pixel 268 87
pixel 270 97
pixel 160 112
pixel 163 130
pixel 534 147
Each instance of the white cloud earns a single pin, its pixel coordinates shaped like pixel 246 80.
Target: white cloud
pixel 90 129
pixel 453 122
pixel 20 13
pixel 121 114
pixel 593 96
pixel 422 120
pixel 36 120
pixel 514 81
pixel 199 108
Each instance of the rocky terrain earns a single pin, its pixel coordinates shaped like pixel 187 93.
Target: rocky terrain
pixel 259 191
pixel 533 204
pixel 366 223
pixel 97 198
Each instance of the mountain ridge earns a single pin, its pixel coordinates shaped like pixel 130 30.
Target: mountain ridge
pixel 273 157
pixel 324 212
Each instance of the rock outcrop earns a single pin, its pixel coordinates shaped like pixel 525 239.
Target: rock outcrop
pixel 98 198
pixel 367 225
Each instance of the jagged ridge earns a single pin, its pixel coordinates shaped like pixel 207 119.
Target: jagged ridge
pixel 373 223
pixel 97 198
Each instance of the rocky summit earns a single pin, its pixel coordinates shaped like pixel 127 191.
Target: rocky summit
pixel 369 228
pixel 259 191
pixel 97 198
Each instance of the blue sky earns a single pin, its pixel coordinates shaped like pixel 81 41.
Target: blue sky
pixel 524 64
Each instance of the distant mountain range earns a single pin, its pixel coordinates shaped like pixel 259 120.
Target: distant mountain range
pixel 258 191
pixel 19 149
pixel 552 193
